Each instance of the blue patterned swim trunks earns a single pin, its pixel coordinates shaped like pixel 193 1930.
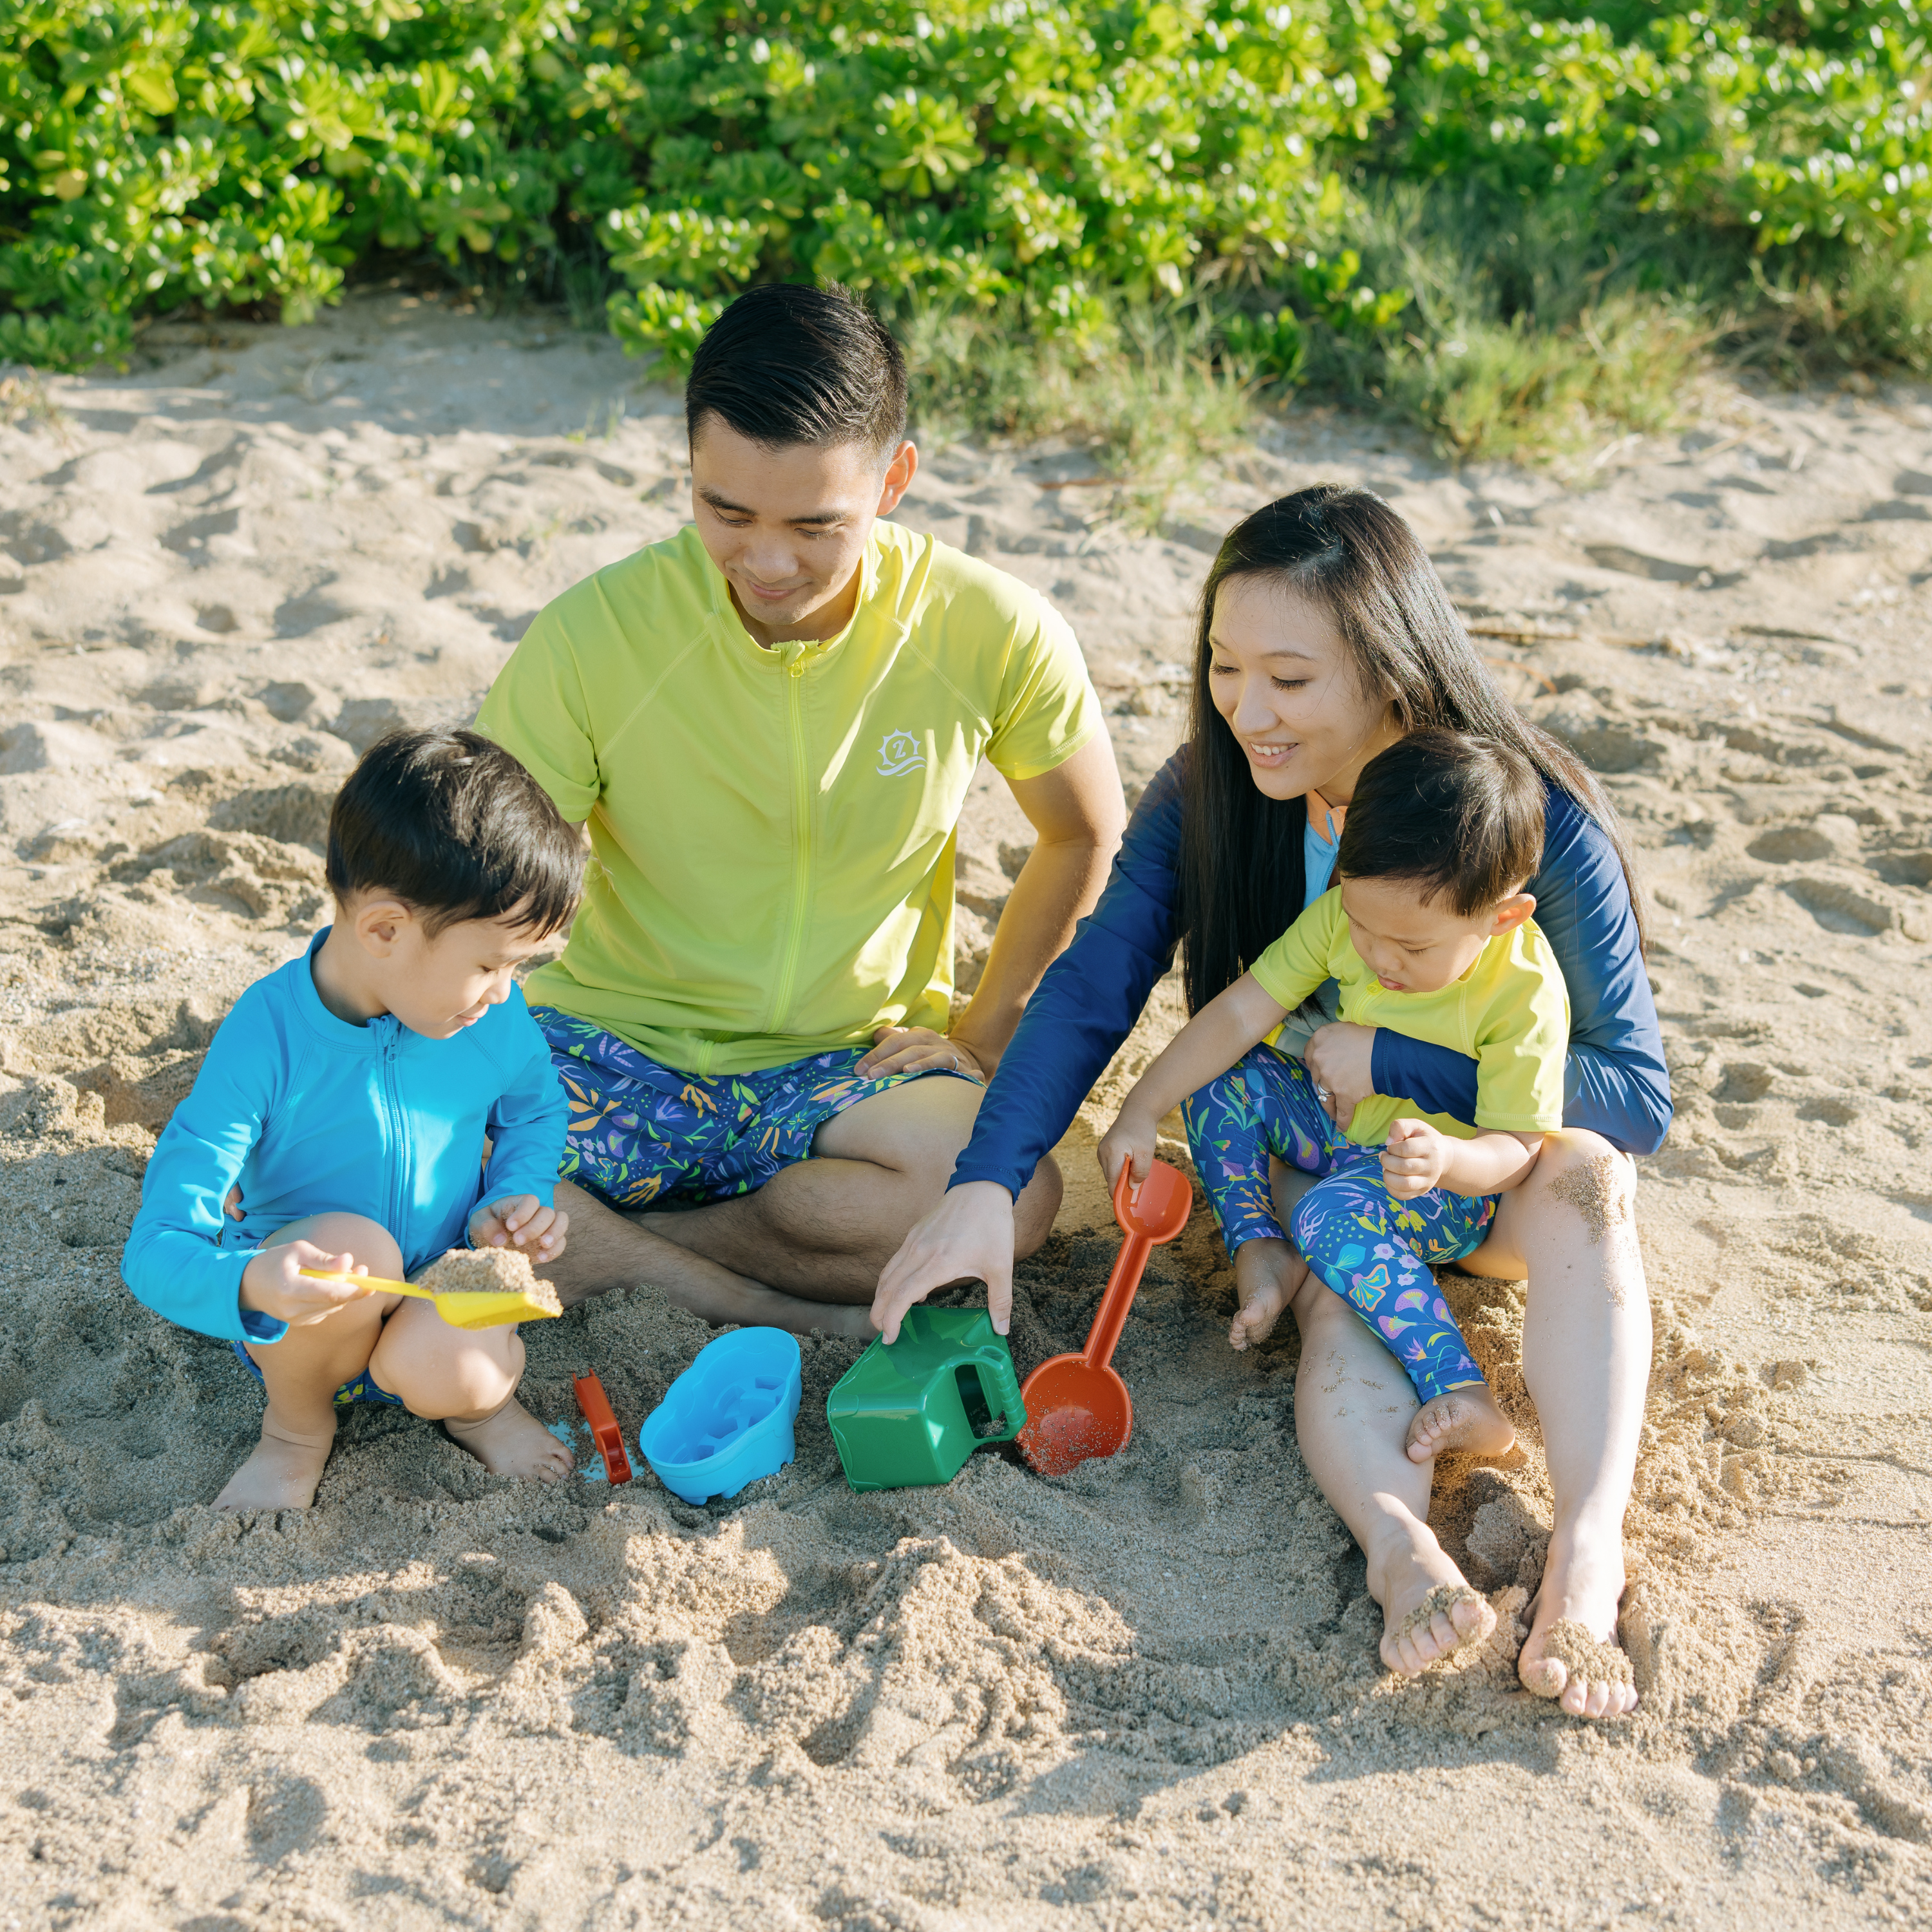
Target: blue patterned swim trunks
pixel 642 1133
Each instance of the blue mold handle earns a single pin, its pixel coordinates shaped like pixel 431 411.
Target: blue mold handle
pixel 727 1420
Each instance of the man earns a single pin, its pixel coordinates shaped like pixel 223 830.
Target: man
pixel 769 722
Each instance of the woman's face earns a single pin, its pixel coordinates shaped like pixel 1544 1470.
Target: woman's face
pixel 1280 674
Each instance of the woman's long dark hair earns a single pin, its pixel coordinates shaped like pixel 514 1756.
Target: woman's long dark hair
pixel 1242 873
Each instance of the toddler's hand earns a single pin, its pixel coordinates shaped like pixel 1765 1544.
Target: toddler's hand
pixel 273 1284
pixel 1414 1158
pixel 522 1221
pixel 1130 1140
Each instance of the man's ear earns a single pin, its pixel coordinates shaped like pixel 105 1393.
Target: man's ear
pixel 899 473
pixel 1510 913
pixel 379 925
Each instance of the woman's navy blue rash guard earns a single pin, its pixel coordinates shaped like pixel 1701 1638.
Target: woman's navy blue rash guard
pixel 1087 1002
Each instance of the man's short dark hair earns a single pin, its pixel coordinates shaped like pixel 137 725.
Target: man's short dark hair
pixel 455 827
pixel 789 364
pixel 1460 816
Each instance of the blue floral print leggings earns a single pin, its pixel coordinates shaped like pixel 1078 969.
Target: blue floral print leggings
pixel 1374 1251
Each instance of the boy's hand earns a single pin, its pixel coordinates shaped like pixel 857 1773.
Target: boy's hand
pixel 520 1221
pixel 1130 1139
pixel 273 1284
pixel 1414 1158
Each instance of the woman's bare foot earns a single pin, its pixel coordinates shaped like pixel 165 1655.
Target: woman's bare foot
pixel 1579 1664
pixel 1465 1419
pixel 1268 1274
pixel 283 1472
pixel 510 1441
pixel 1429 1610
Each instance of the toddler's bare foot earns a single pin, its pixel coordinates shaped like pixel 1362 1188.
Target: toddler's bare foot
pixel 1571 1652
pixel 1465 1419
pixel 1264 1293
pixel 283 1472
pixel 510 1441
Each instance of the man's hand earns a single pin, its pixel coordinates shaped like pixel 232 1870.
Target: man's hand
pixel 522 1221
pixel 1340 1060
pixel 273 1284
pixel 968 1236
pixel 1129 1141
pixel 1414 1158
pixel 915 1049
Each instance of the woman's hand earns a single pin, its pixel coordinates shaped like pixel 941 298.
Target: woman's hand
pixel 1340 1059
pixel 968 1236
pixel 273 1283
pixel 915 1050
pixel 1130 1140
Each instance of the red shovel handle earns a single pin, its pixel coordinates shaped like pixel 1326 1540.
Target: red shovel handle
pixel 604 1430
pixel 1117 1302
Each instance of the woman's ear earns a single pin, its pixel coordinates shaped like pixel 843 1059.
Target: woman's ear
pixel 1510 913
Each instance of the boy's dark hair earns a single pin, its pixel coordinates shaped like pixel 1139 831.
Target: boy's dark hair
pixel 458 829
pixel 1461 816
pixel 789 364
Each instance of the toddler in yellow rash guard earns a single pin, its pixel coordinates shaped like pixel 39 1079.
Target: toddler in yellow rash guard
pixel 1429 932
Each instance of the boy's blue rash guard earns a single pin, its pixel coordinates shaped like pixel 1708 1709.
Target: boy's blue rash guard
pixel 313 1115
pixel 1617 1083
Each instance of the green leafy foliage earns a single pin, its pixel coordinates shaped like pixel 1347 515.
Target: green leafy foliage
pixel 1051 166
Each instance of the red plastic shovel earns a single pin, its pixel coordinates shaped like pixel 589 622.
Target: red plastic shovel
pixel 1076 1405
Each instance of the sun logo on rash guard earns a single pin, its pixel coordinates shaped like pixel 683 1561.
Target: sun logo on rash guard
pixel 899 752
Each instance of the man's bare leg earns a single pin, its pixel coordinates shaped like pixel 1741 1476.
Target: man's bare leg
pixel 805 1250
pixel 824 1229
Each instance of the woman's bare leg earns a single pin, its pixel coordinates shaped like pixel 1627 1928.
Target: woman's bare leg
pixel 1571 1230
pixel 304 1370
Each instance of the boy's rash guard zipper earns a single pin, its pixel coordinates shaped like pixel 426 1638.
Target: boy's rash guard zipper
pixel 399 1139
pixel 801 846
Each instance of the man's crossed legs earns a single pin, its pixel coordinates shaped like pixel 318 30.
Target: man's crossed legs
pixel 775 1197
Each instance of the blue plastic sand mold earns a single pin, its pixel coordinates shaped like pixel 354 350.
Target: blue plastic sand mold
pixel 727 1420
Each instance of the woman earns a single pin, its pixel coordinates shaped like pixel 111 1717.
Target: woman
pixel 1325 636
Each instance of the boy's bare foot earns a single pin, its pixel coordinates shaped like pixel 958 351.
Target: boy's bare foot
pixel 283 1472
pixel 1429 1610
pixel 510 1441
pixel 1571 1652
pixel 1464 1419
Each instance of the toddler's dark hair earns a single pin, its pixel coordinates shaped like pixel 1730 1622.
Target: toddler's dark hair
pixel 788 363
pixel 458 829
pixel 1460 816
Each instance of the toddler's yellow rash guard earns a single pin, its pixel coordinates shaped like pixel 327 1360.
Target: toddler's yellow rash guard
pixel 773 830
pixel 1509 1013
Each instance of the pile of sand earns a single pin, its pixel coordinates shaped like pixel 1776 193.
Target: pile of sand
pixel 1146 1695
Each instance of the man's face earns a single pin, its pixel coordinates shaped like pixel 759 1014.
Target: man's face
pixel 787 526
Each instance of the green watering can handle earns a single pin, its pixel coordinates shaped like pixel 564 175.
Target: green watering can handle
pixel 996 1366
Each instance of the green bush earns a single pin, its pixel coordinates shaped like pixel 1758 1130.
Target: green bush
pixel 1066 166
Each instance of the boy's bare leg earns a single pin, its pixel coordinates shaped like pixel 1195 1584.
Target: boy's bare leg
pixel 466 1379
pixel 304 1370
pixel 806 1251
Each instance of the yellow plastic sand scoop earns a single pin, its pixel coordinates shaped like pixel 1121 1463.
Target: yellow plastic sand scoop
pixel 524 1299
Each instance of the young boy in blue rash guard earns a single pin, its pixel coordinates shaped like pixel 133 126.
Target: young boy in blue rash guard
pixel 1428 934
pixel 351 1096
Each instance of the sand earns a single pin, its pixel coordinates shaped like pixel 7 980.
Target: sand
pixel 1147 1695
pixel 490 1271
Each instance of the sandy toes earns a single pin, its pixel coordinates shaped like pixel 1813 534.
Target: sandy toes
pixel 1464 1419
pixel 513 1442
pixel 1431 1622
pixel 283 1472
pixel 1563 1656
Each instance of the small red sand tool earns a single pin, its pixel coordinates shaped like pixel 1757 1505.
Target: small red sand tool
pixel 604 1430
pixel 1076 1406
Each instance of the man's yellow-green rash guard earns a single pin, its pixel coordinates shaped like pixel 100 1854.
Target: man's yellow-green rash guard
pixel 1509 1013
pixel 773 830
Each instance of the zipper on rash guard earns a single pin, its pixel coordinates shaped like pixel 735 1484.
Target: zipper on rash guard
pixel 397 1123
pixel 801 848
